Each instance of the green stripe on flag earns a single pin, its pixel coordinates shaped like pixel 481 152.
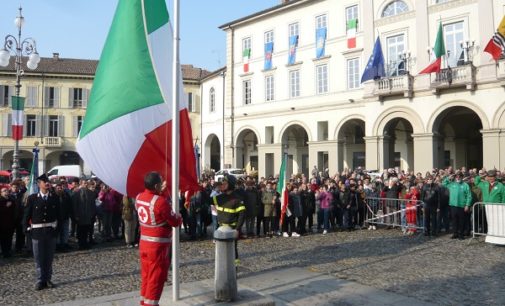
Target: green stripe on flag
pixel 125 80
pixel 439 48
pixel 352 24
pixel 18 103
pixel 156 14
pixel 246 53
pixel 282 175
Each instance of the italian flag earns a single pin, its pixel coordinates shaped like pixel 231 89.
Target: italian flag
pixel 246 56
pixel 18 114
pixel 352 26
pixel 439 51
pixel 127 129
pixel 282 188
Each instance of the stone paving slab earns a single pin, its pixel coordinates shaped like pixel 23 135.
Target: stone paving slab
pixel 290 286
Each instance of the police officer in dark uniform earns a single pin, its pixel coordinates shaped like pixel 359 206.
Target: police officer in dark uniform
pixel 41 219
pixel 230 207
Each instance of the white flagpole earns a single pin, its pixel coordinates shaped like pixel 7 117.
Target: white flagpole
pixel 175 152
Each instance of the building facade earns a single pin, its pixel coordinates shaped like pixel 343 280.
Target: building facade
pixel 56 99
pixel 315 109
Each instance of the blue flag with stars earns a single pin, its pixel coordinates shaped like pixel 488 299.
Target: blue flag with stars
pixel 375 67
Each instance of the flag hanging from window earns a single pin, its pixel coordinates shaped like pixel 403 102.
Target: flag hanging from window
pixel 269 50
pixel 293 44
pixel 18 114
pixel 128 125
pixel 352 26
pixel 496 45
pixel 320 42
pixel 246 55
pixel 375 67
pixel 439 51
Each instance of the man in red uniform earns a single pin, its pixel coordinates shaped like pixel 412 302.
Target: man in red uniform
pixel 156 219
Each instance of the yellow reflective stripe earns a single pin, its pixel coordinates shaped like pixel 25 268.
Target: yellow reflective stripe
pixel 214 199
pixel 231 210
pixel 229 224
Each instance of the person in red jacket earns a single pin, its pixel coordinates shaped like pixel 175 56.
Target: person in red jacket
pixel 156 219
pixel 411 210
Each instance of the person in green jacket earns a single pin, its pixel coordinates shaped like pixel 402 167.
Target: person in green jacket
pixel 460 199
pixel 492 190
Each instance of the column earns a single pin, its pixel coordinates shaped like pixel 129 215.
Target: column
pixel 273 166
pixel 372 153
pixel 460 152
pixel 493 147
pixel 486 25
pixel 387 148
pixel 369 34
pixel 422 36
pixel 425 149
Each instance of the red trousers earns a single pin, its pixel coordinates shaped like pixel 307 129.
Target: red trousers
pixel 411 213
pixel 154 264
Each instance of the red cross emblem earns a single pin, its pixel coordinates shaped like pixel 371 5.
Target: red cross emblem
pixel 142 214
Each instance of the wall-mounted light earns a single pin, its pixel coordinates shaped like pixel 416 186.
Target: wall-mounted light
pixel 351 100
pixel 292 108
pixel 245 114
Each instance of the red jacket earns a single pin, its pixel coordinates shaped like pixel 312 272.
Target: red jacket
pixel 161 210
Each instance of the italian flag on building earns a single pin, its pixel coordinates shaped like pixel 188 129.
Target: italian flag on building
pixel 439 51
pixel 246 56
pixel 352 26
pixel 127 129
pixel 18 114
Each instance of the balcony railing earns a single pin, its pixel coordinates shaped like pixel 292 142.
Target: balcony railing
pixel 395 85
pixel 461 76
pixel 53 142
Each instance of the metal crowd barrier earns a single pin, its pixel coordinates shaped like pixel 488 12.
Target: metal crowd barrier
pixel 489 220
pixel 404 213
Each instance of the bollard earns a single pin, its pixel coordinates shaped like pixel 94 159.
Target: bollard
pixel 225 280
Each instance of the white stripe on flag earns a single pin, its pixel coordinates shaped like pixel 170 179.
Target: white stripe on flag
pixel 17 117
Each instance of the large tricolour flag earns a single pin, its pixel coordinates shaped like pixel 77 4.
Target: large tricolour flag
pixel 282 188
pixel 18 114
pixel 439 51
pixel 127 129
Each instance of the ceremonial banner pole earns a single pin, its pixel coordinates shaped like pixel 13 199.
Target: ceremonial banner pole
pixel 175 151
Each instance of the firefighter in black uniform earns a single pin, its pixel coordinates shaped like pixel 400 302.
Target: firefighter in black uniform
pixel 230 207
pixel 41 219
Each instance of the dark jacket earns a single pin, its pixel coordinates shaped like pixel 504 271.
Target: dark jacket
pixel 295 204
pixel 230 209
pixel 430 195
pixel 39 211
pixel 84 207
pixel 251 202
pixel 66 210
pixel 7 214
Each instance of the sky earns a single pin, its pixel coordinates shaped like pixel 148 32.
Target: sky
pixel 78 28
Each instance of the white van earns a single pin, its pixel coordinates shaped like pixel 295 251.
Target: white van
pixel 67 170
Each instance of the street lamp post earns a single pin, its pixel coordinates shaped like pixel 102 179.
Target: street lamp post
pixel 19 47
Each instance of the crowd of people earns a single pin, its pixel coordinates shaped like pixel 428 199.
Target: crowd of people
pixel 438 201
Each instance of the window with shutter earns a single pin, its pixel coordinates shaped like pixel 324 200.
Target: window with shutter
pixel 56 97
pixel 11 93
pixel 5 124
pixel 85 95
pixel 61 126
pixel 2 96
pixel 38 125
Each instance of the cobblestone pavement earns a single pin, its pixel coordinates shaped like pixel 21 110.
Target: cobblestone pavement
pixel 437 270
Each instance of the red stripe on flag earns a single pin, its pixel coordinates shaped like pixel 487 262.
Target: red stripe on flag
pixel 246 67
pixel 156 155
pixel 17 132
pixel 493 49
pixel 433 67
pixel 351 43
pixel 284 204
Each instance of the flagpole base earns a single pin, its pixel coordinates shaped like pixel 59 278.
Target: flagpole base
pixel 225 281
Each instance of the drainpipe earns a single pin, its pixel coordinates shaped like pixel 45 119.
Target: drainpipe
pixel 223 74
pixel 232 98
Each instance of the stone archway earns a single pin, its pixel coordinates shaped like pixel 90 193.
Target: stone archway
pixel 246 150
pixel 459 140
pixel 397 144
pixel 294 141
pixel 212 153
pixel 351 144
pixel 25 160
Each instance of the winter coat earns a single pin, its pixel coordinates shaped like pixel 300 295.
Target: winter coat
pixel 497 194
pixel 459 193
pixel 84 207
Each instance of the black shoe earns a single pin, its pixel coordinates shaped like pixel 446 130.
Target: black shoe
pixel 461 237
pixel 426 234
pixel 50 284
pixel 40 286
pixel 454 236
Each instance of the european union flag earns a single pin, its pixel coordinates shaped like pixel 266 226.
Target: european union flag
pixel 269 50
pixel 320 42
pixel 375 67
pixel 293 43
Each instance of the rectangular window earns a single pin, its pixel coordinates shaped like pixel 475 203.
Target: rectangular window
pixel 321 21
pixel 322 79
pixel 79 124
pixel 5 93
pixel 269 88
pixel 246 44
pixel 246 94
pixel 353 80
pixel 191 106
pixel 351 13
pixel 77 98
pixel 31 96
pixel 31 122
pixel 269 37
pixel 294 83
pixel 294 29
pixel 395 47
pixel 454 33
pixel 53 126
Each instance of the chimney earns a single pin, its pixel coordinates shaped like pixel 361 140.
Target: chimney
pixel 56 56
